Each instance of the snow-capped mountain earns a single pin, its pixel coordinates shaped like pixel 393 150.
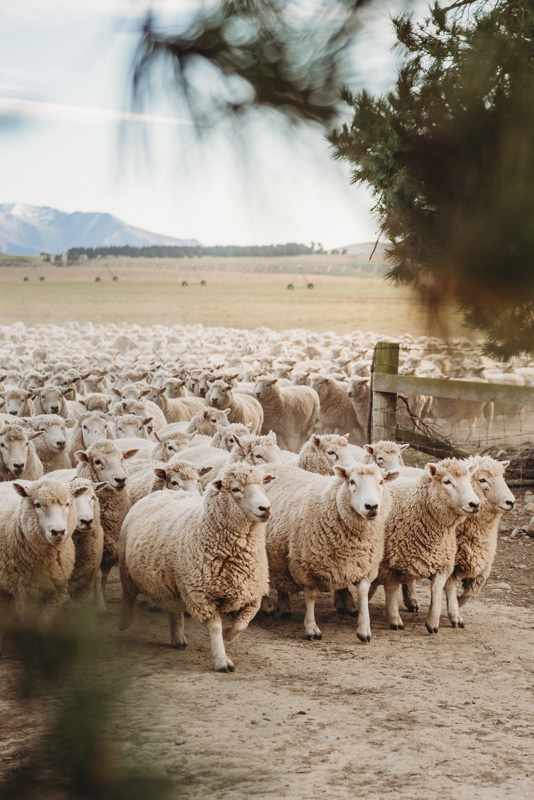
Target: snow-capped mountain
pixel 30 230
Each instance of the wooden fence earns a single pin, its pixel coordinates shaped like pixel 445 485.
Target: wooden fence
pixel 387 385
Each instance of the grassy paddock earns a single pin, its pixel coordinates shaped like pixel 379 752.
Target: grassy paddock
pixel 336 304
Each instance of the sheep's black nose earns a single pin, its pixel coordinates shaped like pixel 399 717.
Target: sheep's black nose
pixel 371 507
pixel 14 413
pixel 18 467
pixel 474 506
pixel 58 533
pixel 510 503
pixel 86 522
pixel 120 481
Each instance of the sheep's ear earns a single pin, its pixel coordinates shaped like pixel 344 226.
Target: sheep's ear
pixel 227 411
pixel 70 423
pixel 35 434
pixel 390 475
pixel 431 469
pixel 68 390
pixel 205 414
pixel 217 485
pixel 99 486
pixel 316 440
pixel 104 372
pixel 79 490
pixel 81 455
pixel 28 395
pixel 306 374
pixel 403 447
pixel 341 472
pixel 22 488
pixel 147 391
pixel 366 380
pixel 191 436
pixel 504 464
pixel 274 380
pixel 147 420
pixel 157 437
pixel 369 449
pixel 83 403
pixel 272 435
pixel 116 391
pixel 84 377
pixel 238 443
pixel 346 436
pixel 161 473
pixel 268 478
pixel 129 453
pixel 161 390
pixel 203 471
pixel 143 376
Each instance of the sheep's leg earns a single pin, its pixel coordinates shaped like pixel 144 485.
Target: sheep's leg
pixel 310 626
pixel 436 589
pixel 241 621
pixel 267 605
pixel 176 629
pixel 391 588
pixel 105 570
pixel 363 631
pixel 471 587
pixel 453 610
pixel 374 586
pixel 221 661
pixel 98 596
pixel 344 602
pixel 129 594
pixel 7 613
pixel 284 605
pixel 409 596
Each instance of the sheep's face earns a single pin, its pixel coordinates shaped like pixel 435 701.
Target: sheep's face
pixel 170 447
pixel 86 503
pixel 387 455
pixel 365 485
pixel 203 385
pixel 35 381
pixel 107 464
pixel 51 502
pixel 131 426
pixel 183 476
pixel 211 418
pixel 251 499
pixel 220 395
pixel 334 448
pixel 489 483
pixel 14 402
pixel 54 432
pixel 300 379
pixel 264 450
pixel 94 428
pixel 130 392
pixel 357 388
pixel 51 399
pixel 264 386
pixel 94 383
pixel 14 449
pixel 451 481
pixel 321 384
pixel 174 388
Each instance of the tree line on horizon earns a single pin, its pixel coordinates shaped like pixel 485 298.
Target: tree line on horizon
pixel 177 251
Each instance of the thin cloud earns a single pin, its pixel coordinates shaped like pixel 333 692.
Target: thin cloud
pixel 37 109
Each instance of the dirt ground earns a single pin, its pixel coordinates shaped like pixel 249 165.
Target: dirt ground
pixel 409 716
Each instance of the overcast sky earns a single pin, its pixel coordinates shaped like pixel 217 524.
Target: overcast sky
pixel 64 72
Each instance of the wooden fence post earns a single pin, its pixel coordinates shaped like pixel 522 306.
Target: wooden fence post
pixel 384 404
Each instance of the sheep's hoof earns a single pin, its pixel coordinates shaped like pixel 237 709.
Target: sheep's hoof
pixel 179 645
pixel 364 638
pixel 228 667
pixel 286 615
pixel 413 609
pixel 396 627
pixel 311 636
pixel 348 613
pixel 431 630
pixel 461 624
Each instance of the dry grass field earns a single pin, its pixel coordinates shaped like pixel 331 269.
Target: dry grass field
pixel 240 299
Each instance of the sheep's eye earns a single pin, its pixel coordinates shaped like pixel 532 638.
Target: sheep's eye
pixel 174 483
pixel 447 482
pixel 37 505
pixel 235 491
pixel 482 480
pixel 380 483
pixel 68 503
pixel 214 420
pixel 352 483
pixel 257 455
pixel 2 445
pixel 98 463
pixel 331 453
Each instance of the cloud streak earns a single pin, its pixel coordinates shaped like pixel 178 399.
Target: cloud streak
pixel 19 108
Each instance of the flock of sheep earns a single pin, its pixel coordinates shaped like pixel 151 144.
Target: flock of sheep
pixel 214 465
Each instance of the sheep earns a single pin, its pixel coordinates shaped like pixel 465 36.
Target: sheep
pixel 97 402
pixel 144 409
pixel 51 400
pixel 88 538
pixel 388 456
pixel 37 519
pixel 178 410
pixel 130 425
pixel 321 452
pixel 206 555
pixel 51 447
pixel 476 539
pixel 256 450
pixel 421 533
pixel 224 436
pixel 18 458
pixel 205 422
pixel 104 461
pixel 170 443
pixel 359 391
pixel 337 413
pixel 243 408
pixel 146 476
pixel 90 428
pixel 325 533
pixel 17 402
pixel 291 411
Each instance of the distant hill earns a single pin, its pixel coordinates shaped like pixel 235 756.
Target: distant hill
pixel 363 249
pixel 30 230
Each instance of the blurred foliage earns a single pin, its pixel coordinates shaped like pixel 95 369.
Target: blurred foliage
pixel 75 680
pixel 449 157
pixel 285 56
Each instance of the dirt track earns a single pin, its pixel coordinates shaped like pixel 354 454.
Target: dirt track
pixel 408 716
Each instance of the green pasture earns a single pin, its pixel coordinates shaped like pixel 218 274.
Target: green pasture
pixel 338 305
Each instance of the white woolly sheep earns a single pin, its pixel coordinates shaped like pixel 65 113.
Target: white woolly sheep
pixel 130 425
pixel 325 533
pixel 321 452
pixel 88 538
pixel 18 458
pixel 291 411
pixel 242 407
pixel 90 428
pixel 51 447
pixel 147 476
pixel 337 413
pixel 17 403
pixel 205 422
pixel 206 555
